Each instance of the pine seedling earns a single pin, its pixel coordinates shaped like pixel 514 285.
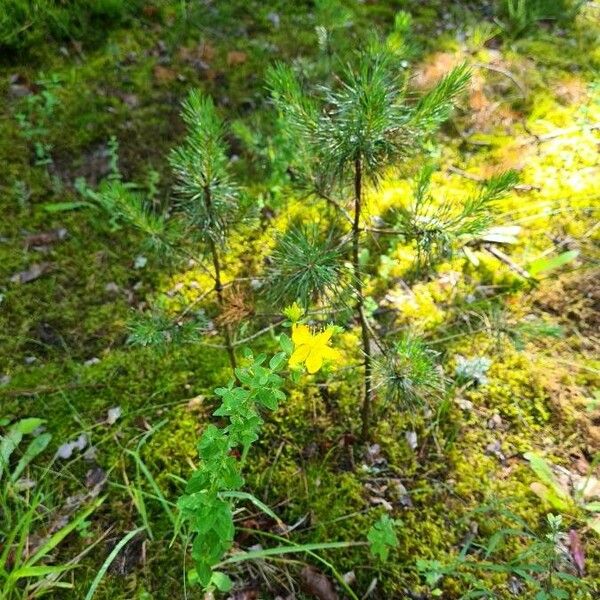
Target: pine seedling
pixel 208 204
pixel 207 195
pixel 346 136
pixel 407 374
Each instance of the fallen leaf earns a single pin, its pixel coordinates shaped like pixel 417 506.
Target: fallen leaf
pixel 195 404
pixel 588 487
pixel 130 556
pixel 246 594
pixel 577 552
pixel 381 502
pixel 411 439
pixel 35 271
pixel 150 11
pixel 113 415
pixel 236 57
pixel 163 75
pixel 20 86
pixel 317 584
pixel 95 478
pixel 66 450
pixel 44 238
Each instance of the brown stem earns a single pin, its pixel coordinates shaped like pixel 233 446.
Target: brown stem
pixel 219 285
pixel 360 309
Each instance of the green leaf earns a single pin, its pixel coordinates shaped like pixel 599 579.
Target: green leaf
pixel 278 361
pixel 278 550
pixel 36 446
pixel 8 444
pixel 549 496
pixel 39 571
pixel 286 343
pixel 592 506
pixel 594 524
pixel 382 537
pixel 27 426
pixel 544 471
pixel 543 265
pixel 221 581
pixel 10 441
pixel 267 398
pixel 258 503
pixel 55 207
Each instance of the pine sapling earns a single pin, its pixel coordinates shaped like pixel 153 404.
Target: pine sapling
pixel 206 193
pixel 347 135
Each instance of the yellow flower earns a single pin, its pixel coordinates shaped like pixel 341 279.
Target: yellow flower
pixel 311 349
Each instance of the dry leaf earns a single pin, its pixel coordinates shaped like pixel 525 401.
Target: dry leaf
pixel 577 553
pixel 34 272
pixel 45 237
pixel 236 57
pixel 163 75
pixel 317 584
pixel 113 415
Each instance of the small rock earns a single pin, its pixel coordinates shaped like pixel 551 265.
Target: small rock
pixel 400 494
pixel 131 100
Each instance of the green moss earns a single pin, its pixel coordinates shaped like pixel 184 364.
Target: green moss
pixel 303 462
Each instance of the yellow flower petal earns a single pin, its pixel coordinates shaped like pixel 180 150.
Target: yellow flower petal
pixel 314 361
pixel 299 355
pixel 301 335
pixel 324 336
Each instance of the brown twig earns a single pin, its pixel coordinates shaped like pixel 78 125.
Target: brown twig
pixel 506 74
pixel 506 260
pixel 360 309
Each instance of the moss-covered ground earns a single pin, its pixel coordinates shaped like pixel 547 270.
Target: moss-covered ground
pixel 533 105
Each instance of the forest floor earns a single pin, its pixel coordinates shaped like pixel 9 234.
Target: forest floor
pixel 70 281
